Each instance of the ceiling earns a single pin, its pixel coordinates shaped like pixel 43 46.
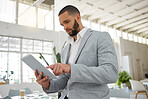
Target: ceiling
pixel 46 4
pixel 126 15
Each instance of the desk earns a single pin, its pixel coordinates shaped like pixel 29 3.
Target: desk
pixel 33 96
pixel 50 97
pixel 2 83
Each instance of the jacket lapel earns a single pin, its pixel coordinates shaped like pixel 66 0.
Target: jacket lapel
pixel 65 61
pixel 83 42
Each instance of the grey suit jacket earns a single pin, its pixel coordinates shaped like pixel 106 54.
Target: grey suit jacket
pixel 95 67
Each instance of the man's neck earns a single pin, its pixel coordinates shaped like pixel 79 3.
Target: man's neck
pixel 75 37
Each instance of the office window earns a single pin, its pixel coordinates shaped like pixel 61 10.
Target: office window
pixel 14 44
pixel 3 65
pixel 112 33
pixel 104 28
pixel 95 26
pixel 7 11
pixel 27 45
pixel 38 46
pixel 3 43
pixel 140 39
pixel 86 23
pixel 144 40
pixel 13 67
pixel 41 17
pixel 49 20
pixel 45 19
pixel 124 35
pixel 47 47
pixel 27 15
pixel 11 51
pixel 135 38
pixel 130 37
pixel 119 34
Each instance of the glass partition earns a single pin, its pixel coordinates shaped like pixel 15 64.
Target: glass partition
pixel 11 51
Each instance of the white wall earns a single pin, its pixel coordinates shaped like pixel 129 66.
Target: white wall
pixel 136 51
pixel 58 38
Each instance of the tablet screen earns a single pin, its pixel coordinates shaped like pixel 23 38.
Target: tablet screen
pixel 33 63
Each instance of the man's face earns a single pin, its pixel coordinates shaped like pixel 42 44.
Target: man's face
pixel 69 23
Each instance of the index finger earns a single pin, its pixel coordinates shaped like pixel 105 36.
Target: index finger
pixel 36 73
pixel 51 67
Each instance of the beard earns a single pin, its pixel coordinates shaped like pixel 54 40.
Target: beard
pixel 75 28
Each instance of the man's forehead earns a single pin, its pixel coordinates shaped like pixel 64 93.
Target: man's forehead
pixel 64 16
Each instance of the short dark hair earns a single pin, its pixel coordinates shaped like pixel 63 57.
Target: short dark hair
pixel 72 10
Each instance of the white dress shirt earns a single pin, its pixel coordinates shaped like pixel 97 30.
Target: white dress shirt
pixel 75 45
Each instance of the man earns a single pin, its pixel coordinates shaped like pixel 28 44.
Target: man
pixel 89 61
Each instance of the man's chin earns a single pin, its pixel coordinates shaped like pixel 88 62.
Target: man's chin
pixel 69 33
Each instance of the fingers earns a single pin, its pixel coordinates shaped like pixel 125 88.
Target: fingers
pixel 42 81
pixel 45 82
pixel 36 73
pixel 55 69
pixel 61 71
pixel 58 69
pixel 39 77
pixel 51 67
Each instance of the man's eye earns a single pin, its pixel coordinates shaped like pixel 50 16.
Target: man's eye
pixel 66 21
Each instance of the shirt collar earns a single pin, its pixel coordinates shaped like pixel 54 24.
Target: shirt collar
pixel 79 35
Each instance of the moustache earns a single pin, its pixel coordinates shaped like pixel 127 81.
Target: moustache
pixel 68 30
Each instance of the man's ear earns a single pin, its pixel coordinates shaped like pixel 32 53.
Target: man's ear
pixel 78 18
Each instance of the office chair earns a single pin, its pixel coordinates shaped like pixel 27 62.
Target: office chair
pixel 138 87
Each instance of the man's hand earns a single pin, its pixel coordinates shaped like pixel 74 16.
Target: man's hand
pixel 60 68
pixel 45 82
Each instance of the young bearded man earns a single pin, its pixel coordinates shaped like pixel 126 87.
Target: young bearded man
pixel 89 61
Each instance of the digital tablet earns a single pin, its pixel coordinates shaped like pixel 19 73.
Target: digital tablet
pixel 35 64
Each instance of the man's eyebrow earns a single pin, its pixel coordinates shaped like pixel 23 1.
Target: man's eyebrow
pixel 66 20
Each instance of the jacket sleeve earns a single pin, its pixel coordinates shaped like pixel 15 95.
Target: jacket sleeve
pixel 57 84
pixel 60 83
pixel 107 69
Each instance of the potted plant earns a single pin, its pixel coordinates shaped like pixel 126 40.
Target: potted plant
pixel 7 80
pixel 56 55
pixel 123 79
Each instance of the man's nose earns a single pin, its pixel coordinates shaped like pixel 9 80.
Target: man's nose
pixel 65 27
